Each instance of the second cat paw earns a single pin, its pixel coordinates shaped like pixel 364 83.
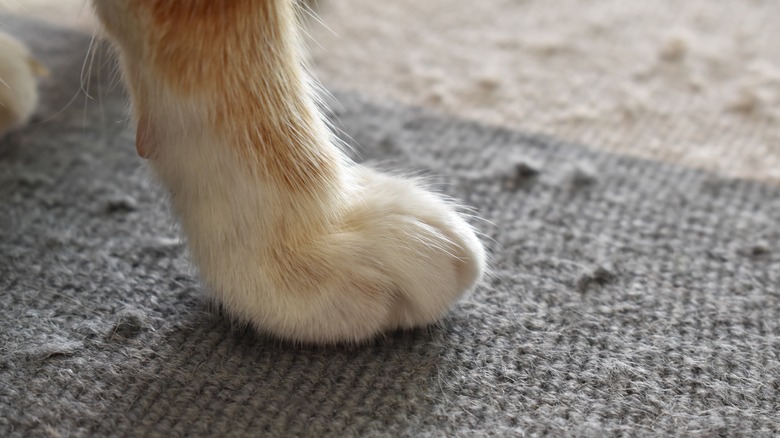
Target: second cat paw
pixel 18 83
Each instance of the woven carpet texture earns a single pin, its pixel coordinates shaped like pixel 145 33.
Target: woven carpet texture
pixel 626 297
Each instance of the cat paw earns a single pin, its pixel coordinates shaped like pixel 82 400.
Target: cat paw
pixel 18 87
pixel 427 255
pixel 399 257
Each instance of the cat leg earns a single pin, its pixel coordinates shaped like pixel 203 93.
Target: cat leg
pixel 289 235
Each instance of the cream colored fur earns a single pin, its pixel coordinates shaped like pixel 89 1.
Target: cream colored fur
pixel 348 255
pixel 18 88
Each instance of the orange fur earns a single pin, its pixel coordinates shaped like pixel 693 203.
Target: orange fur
pixel 244 61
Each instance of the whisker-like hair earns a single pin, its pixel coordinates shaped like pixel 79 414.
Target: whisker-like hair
pixel 116 76
pixel 81 86
pixel 17 4
pixel 86 67
pixel 311 13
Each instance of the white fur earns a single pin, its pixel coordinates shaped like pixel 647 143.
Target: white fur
pixel 18 88
pixel 359 254
pixel 387 254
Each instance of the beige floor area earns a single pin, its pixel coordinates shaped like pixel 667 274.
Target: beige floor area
pixel 696 82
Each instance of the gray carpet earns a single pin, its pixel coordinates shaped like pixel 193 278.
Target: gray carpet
pixel 627 297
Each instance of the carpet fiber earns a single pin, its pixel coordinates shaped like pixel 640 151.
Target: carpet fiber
pixel 627 297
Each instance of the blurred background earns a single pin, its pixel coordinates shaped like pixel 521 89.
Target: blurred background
pixel 696 83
